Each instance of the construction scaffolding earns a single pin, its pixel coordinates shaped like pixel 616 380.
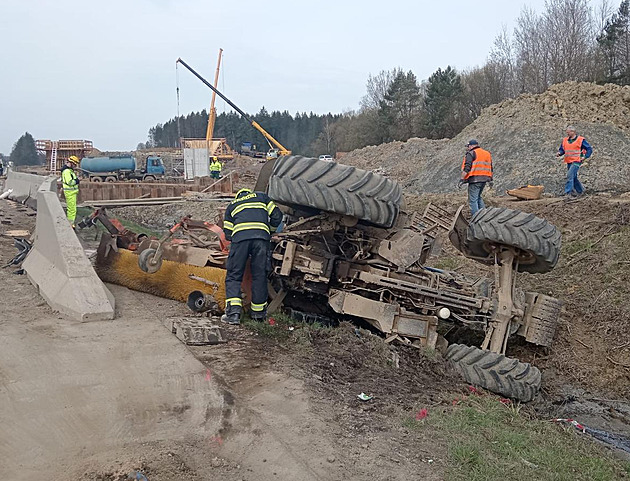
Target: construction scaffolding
pixel 58 151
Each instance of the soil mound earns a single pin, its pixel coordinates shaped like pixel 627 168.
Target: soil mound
pixel 523 135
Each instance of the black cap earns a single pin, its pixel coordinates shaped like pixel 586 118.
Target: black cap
pixel 472 142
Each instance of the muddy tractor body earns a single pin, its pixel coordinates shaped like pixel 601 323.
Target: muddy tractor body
pixel 349 250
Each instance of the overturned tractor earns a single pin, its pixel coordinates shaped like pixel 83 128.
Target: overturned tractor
pixel 350 250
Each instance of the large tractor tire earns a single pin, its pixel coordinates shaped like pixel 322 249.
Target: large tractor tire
pixel 333 187
pixel 538 240
pixel 495 372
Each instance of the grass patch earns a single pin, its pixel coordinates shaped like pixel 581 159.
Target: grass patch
pixel 132 226
pixel 280 327
pixel 446 263
pixel 571 248
pixel 488 441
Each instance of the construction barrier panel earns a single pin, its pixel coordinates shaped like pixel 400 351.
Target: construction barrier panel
pixel 89 191
pixel 58 267
pixel 24 187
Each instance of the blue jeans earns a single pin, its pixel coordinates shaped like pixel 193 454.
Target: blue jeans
pixel 572 179
pixel 474 197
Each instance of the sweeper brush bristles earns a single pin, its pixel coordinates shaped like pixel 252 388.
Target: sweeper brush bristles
pixel 171 281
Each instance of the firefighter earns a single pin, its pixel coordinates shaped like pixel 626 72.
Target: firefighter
pixel 70 182
pixel 476 172
pixel 249 221
pixel 215 168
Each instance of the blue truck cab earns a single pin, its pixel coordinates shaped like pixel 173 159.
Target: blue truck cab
pixel 155 166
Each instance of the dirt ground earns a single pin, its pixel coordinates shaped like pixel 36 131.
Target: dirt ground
pixel 587 370
pixel 272 413
pixel 287 404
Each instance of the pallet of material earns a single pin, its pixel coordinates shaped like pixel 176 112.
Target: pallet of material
pixel 527 192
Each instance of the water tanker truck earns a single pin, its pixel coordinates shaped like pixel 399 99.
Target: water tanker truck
pixel 122 167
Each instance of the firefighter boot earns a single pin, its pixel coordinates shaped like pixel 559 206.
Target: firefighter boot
pixel 232 315
pixel 259 316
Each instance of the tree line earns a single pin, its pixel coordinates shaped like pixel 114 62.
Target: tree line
pixel 568 40
pixel 297 133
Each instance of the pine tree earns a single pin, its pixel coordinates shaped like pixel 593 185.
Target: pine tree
pixel 614 41
pixel 444 90
pixel 399 109
pixel 24 151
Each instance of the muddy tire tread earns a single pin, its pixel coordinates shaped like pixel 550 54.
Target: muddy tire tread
pixel 495 372
pixel 338 188
pixel 499 225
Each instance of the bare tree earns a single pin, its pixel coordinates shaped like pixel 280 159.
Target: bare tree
pixel 503 64
pixel 603 14
pixel 532 68
pixel 377 87
pixel 568 39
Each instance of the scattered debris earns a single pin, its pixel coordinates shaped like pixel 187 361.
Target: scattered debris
pixel 17 233
pixel 138 476
pixel 616 440
pixel 527 192
pixel 423 413
pixel 364 397
pixel 24 248
pixel 198 331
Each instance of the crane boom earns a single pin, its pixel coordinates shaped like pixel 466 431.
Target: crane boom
pixel 281 149
pixel 213 113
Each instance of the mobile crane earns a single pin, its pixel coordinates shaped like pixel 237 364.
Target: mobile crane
pixel 276 148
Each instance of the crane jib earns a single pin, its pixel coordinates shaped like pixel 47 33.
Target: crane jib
pixel 231 104
pixel 282 150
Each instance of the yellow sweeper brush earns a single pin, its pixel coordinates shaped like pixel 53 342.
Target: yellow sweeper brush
pixel 172 281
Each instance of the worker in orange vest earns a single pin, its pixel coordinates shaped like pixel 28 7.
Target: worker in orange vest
pixel 476 172
pixel 575 149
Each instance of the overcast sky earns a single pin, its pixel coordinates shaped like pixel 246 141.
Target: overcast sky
pixel 105 71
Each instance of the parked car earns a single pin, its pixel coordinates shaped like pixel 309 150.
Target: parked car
pixel 327 158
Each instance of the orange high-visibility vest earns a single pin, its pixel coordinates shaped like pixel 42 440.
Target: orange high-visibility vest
pixel 482 165
pixel 572 150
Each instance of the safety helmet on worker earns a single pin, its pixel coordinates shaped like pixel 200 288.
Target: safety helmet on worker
pixel 74 159
pixel 215 158
pixel 244 190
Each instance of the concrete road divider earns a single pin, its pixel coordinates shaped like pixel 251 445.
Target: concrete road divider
pixel 57 265
pixel 24 187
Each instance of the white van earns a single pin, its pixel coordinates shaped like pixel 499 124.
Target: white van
pixel 327 158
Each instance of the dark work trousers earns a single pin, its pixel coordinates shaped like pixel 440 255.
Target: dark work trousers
pixel 257 250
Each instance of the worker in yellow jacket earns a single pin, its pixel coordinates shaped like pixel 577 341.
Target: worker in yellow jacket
pixel 215 168
pixel 70 182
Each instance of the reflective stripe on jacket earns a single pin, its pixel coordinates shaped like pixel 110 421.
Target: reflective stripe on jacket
pixel 572 150
pixel 252 215
pixel 481 165
pixel 69 179
pixel 215 166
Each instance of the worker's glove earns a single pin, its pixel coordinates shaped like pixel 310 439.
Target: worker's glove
pixel 490 184
pixel 280 228
pixel 460 183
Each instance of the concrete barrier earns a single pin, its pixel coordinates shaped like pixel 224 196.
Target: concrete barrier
pixel 57 265
pixel 24 187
